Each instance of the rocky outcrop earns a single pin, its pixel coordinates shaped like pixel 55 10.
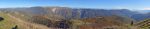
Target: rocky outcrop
pixel 1 18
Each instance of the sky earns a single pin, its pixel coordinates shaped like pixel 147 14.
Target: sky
pixel 104 4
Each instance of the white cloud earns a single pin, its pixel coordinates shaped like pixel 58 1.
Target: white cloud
pixel 146 8
pixel 54 9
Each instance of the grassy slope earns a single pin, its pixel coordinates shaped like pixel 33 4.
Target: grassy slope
pixel 10 21
pixel 7 23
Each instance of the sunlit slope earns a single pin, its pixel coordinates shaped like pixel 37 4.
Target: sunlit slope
pixel 11 21
pixel 7 23
pixel 145 24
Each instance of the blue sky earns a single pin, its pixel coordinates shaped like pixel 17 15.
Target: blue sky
pixel 107 4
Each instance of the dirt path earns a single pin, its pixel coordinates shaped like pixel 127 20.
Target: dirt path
pixel 26 25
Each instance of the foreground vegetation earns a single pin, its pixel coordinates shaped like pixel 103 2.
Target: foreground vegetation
pixel 7 23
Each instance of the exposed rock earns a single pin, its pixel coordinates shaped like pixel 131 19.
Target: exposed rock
pixel 16 27
pixel 1 18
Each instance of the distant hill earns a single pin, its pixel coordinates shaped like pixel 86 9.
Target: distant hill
pixel 68 13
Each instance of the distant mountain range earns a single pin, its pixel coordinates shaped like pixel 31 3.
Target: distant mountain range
pixel 68 13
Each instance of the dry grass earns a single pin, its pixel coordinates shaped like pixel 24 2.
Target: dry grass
pixel 11 21
pixel 7 23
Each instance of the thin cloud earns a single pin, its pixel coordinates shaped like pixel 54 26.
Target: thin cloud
pixel 146 8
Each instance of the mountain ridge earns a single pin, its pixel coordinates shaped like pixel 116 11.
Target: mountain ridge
pixel 68 13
